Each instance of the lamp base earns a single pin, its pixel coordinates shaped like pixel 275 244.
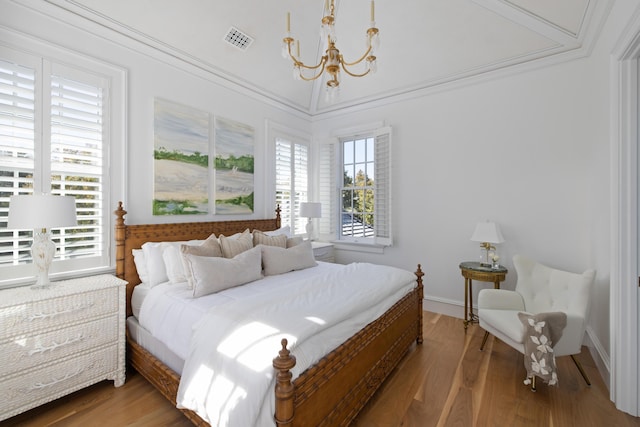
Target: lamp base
pixel 309 230
pixel 42 252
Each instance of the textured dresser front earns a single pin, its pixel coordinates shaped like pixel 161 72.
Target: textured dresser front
pixel 59 340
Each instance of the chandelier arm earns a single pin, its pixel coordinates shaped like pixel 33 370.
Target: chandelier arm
pixel 308 79
pixel 353 74
pixel 349 64
pixel 299 63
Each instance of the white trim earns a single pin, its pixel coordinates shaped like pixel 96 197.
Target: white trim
pixel 624 220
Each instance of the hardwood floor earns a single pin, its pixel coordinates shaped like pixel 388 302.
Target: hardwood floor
pixel 446 381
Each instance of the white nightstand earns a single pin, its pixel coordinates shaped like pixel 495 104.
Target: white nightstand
pixel 59 340
pixel 323 251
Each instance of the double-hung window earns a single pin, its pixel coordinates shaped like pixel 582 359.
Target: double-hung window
pixel 54 138
pixel 291 179
pixel 355 183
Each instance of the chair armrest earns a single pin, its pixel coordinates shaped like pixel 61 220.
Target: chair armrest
pixel 500 299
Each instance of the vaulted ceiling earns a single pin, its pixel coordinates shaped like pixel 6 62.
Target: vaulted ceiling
pixel 424 43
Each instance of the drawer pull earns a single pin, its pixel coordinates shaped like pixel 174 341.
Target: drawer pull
pixel 54 381
pixel 79 307
pixel 54 345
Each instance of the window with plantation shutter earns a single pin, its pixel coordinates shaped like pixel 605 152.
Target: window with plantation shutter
pixel 291 175
pixel 53 139
pixel 355 181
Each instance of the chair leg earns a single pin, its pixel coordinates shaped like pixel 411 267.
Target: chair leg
pixel 579 366
pixel 484 340
pixel 533 384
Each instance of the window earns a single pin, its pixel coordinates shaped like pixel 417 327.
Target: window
pixel 54 139
pixel 291 179
pixel 355 183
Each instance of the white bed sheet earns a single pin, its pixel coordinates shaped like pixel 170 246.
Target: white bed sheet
pixel 169 311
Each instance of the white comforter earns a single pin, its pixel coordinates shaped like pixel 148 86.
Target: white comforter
pixel 228 378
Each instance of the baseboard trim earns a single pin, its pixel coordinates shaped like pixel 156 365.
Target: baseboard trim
pixel 599 355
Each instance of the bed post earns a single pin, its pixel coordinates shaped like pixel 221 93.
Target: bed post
pixel 120 236
pixel 278 219
pixel 284 387
pixel 419 275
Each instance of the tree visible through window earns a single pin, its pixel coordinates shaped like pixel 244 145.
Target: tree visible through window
pixel 358 194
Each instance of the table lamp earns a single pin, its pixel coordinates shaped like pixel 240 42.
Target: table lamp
pixel 310 210
pixel 487 233
pixel 42 212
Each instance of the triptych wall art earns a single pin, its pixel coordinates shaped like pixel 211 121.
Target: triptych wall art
pixel 202 164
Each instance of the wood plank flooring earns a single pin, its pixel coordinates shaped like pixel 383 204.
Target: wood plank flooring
pixel 444 382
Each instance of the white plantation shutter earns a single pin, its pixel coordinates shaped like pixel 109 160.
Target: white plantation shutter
pixel 17 148
pixel 328 194
pixel 291 175
pixel 53 139
pixel 382 187
pixel 77 164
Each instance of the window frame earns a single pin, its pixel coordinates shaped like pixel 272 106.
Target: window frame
pixel 331 174
pixel 277 131
pixel 48 60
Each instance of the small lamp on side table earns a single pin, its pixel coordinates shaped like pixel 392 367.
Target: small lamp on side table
pixel 42 212
pixel 310 210
pixel 487 233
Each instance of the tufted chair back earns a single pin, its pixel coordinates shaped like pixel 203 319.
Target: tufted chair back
pixel 546 289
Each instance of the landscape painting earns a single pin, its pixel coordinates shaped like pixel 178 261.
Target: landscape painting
pixel 180 159
pixel 234 144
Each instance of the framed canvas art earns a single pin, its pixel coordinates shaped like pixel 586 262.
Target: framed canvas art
pixel 233 165
pixel 180 159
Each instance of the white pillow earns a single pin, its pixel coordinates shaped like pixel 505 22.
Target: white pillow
pixel 214 274
pixel 286 230
pixel 236 244
pixel 280 260
pixel 156 271
pixel 141 265
pixel 153 254
pixel 173 264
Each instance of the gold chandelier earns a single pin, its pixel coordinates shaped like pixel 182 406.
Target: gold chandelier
pixel 332 60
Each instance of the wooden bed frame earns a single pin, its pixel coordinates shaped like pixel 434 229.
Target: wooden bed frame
pixel 329 393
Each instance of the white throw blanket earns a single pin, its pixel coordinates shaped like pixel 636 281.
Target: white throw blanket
pixel 228 374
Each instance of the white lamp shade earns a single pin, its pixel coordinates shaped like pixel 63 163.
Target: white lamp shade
pixel 310 210
pixel 487 232
pixel 40 211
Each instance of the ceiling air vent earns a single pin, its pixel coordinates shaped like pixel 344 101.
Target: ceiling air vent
pixel 237 38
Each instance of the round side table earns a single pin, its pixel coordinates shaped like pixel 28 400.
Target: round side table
pixel 475 271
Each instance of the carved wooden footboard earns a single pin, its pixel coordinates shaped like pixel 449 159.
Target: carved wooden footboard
pixel 329 393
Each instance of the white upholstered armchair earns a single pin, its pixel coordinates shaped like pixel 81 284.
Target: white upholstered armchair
pixel 539 289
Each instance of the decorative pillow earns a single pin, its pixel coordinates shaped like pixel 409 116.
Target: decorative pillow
pixel 236 244
pixel 208 248
pixel 294 241
pixel 214 274
pixel 260 238
pixel 141 265
pixel 280 260
pixel 542 332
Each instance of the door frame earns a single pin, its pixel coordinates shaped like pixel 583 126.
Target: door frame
pixel 624 291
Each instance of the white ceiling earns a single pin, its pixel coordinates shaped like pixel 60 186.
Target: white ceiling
pixel 424 43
